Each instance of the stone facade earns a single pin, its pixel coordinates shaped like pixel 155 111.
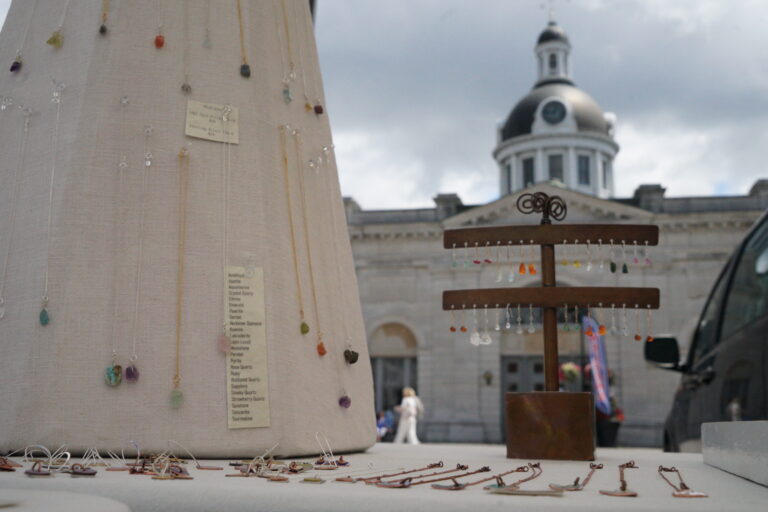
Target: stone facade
pixel 402 270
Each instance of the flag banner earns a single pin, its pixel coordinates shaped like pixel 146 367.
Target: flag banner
pixel 599 367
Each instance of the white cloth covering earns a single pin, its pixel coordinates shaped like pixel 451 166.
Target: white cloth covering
pixel 52 387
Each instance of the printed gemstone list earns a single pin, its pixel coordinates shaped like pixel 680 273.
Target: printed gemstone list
pixel 247 390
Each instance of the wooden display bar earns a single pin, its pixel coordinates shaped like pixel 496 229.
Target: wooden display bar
pixel 549 234
pixel 552 297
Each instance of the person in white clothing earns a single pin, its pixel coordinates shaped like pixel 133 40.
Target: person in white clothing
pixel 410 410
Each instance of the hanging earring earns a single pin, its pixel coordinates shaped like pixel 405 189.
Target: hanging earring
pixel 508 314
pixel 647 259
pixel 521 268
pixel 531 328
pixel 589 257
pixel 624 267
pixel 588 328
pixel 601 330
pixel 511 274
pixel 485 339
pixel 637 323
pixel 500 271
pixel 625 324
pixel 463 327
pixel 487 260
pixel 497 325
pixel 452 328
pixel 453 257
pixel 566 328
pixel 531 265
pixel 476 260
pixel 613 263
pixel 600 255
pixel 519 321
pixel 635 259
pixel 649 330
pixel 576 319
pixel 613 319
pixel 576 261
pixel 466 255
pixel 474 337
pixel 564 260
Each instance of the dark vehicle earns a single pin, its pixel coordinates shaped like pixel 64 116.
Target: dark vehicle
pixel 724 375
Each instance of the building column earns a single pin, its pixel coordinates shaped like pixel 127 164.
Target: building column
pixel 572 170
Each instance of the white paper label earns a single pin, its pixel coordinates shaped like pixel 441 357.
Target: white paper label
pixel 247 387
pixel 206 121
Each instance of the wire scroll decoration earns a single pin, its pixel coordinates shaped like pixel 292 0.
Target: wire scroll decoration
pixel 549 207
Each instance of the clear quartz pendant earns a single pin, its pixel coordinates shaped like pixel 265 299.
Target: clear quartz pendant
pixel 2 308
pixel 287 95
pixel 147 159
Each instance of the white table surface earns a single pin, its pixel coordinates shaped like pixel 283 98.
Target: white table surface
pixel 210 490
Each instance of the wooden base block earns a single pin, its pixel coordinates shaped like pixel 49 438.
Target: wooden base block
pixel 550 425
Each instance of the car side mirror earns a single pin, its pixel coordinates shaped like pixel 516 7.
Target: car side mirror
pixel 664 353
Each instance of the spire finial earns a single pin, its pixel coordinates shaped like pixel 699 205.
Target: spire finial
pixel 549 5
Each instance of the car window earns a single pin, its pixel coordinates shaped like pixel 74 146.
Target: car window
pixel 748 297
pixel 706 333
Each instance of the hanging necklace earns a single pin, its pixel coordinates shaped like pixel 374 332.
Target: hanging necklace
pixel 20 157
pixel 224 342
pixel 58 89
pixel 185 87
pixel 309 105
pixel 16 64
pixel 176 395
pixel 132 372
pixel 104 16
pixel 350 356
pixel 245 69
pixel 304 327
pixel 207 41
pixel 321 350
pixel 288 65
pixel 159 37
pixel 113 375
pixel 57 40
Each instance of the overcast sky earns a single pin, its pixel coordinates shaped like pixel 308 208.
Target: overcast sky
pixel 416 88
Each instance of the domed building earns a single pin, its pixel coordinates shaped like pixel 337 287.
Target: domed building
pixel 557 140
pixel 556 132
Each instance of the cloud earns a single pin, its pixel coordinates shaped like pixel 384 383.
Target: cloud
pixel 428 82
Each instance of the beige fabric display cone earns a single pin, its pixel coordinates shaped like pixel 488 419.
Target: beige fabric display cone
pixel 106 235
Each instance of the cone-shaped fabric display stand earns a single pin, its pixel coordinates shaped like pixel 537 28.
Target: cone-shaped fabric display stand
pixel 174 256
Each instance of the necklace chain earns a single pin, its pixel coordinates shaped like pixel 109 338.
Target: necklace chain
pixel 183 166
pixel 291 222
pixel 242 33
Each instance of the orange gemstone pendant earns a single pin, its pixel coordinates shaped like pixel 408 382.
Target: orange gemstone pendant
pixel 321 351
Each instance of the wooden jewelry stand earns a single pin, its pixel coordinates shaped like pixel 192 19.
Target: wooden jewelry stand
pixel 550 424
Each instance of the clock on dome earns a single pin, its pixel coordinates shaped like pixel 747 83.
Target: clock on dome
pixel 553 112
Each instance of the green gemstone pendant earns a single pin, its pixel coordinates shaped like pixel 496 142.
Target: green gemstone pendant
pixel 45 318
pixel 114 375
pixel 304 328
pixel 613 267
pixel 177 398
pixel 624 269
pixel 287 96
pixel 56 40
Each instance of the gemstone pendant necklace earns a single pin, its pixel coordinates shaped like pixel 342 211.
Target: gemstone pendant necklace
pixel 303 326
pixel 224 342
pixel 159 37
pixel 16 64
pixel 350 356
pixel 185 87
pixel 132 372
pixel 57 39
pixel 288 66
pixel 20 157
pixel 183 166
pixel 245 69
pixel 113 375
pixel 321 349
pixel 58 89
pixel 309 105
pixel 104 17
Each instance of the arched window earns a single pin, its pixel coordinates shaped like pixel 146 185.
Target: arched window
pixel 393 350
pixel 552 63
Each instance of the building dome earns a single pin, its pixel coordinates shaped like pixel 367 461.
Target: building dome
pixel 587 113
pixel 553 32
